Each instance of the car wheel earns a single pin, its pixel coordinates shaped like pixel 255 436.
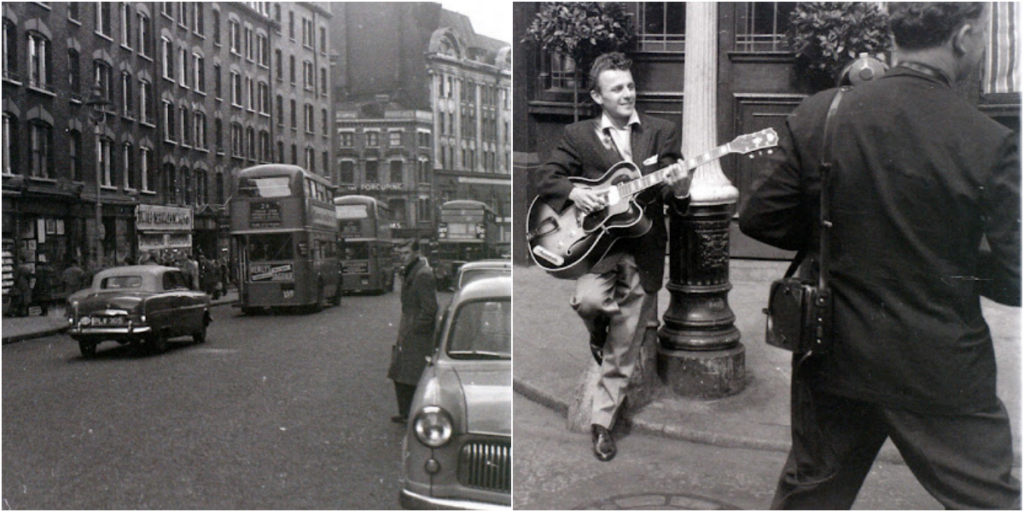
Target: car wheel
pixel 158 343
pixel 88 349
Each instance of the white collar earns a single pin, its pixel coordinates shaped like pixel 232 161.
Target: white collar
pixel 606 122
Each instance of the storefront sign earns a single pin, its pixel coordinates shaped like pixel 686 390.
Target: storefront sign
pixel 153 241
pixel 150 217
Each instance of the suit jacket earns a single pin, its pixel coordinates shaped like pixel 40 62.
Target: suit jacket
pixel 416 328
pixel 581 153
pixel 919 177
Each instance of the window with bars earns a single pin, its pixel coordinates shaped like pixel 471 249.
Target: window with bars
pixel 104 165
pixel 39 61
pixel 661 26
pixel 40 154
pixel 145 36
pixel 128 166
pixel 145 168
pixel 761 26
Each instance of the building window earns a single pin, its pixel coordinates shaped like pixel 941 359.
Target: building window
pixel 200 24
pixel 216 27
pixel 236 89
pixel 126 25
pixel 423 138
pixel 372 139
pixel 186 186
pixel 128 166
pixel 145 36
pixel 323 40
pixel 73 12
pixel 168 58
pixel 104 149
pixel 186 126
pixel 217 91
pixel 762 26
pixel 10 135
pixel 200 127
pixel 235 36
pixel 397 175
pixel 279 58
pixel 348 172
pixel 170 184
pixel 40 155
pixel 218 134
pixel 38 61
pixel 326 122
pixel 103 18
pixel 308 76
pixel 280 152
pixel 424 171
pixel 220 188
pixel 250 142
pixel 262 55
pixel 280 110
pixel 291 25
pixel 249 51
pixel 291 64
pixel 74 155
pixel 323 81
pixel 264 152
pixel 199 68
pixel 346 139
pixel 371 171
pixel 201 192
pixel 394 138
pixel 236 140
pixel 146 167
pixel 311 160
pixel 104 76
pixel 295 116
pixel 10 55
pixel 250 87
pixel 74 74
pixel 183 67
pixel 182 14
pixel 264 98
pixel 127 102
pixel 308 115
pixel 167 9
pixel 169 115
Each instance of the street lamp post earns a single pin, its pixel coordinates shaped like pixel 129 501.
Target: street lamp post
pixel 98 102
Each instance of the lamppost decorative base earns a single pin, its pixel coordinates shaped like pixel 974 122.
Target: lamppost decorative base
pixel 704 375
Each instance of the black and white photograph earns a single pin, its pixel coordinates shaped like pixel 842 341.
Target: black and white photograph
pixel 767 255
pixel 257 255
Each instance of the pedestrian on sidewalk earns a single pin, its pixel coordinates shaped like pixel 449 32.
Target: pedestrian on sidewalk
pixel 918 177
pixel 21 292
pixel 609 298
pixel 42 292
pixel 71 279
pixel 416 328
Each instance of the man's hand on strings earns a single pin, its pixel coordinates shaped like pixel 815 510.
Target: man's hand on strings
pixel 586 199
pixel 679 179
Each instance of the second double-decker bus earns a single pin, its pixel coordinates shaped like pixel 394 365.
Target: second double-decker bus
pixel 282 221
pixel 466 231
pixel 365 227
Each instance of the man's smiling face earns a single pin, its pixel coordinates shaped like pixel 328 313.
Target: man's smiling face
pixel 616 93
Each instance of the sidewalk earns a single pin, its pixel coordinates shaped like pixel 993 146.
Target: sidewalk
pixel 551 354
pixel 35 326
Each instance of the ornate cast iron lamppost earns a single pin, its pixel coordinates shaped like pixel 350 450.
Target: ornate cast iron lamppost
pixel 700 353
pixel 98 103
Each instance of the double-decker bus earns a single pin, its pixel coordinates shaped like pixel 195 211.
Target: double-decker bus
pixel 283 225
pixel 467 231
pixel 365 227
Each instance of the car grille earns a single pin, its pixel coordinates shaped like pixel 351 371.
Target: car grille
pixel 486 465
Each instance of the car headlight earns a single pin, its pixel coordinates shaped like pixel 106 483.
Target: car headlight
pixel 86 320
pixel 433 426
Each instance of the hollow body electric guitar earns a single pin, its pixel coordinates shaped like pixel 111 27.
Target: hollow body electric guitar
pixel 568 243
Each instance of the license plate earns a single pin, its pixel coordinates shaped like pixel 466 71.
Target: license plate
pixel 108 320
pixel 289 294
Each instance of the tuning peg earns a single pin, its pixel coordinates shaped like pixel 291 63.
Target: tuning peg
pixel 751 156
pixel 770 151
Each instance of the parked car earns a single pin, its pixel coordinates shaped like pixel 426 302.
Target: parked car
pixel 457 451
pixel 482 269
pixel 139 304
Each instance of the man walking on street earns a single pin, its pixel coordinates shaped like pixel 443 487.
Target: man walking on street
pixel 416 328
pixel 609 298
pixel 918 178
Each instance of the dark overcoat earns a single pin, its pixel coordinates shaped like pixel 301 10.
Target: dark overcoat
pixel 920 177
pixel 416 328
pixel 582 153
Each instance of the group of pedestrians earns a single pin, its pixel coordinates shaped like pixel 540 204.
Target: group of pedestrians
pixel 210 275
pixel 36 285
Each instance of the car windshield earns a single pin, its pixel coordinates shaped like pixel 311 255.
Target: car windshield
pixel 482 330
pixel 121 282
pixel 468 276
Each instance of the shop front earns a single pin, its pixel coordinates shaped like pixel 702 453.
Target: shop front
pixel 164 232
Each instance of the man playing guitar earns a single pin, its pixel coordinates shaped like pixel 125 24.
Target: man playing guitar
pixel 608 299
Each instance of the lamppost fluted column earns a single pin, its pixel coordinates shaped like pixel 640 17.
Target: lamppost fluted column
pixel 700 354
pixel 98 102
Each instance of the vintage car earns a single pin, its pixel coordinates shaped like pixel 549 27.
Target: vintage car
pixel 139 304
pixel 475 270
pixel 457 452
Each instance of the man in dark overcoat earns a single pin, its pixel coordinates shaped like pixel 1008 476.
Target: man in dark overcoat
pixel 42 292
pixel 609 298
pixel 919 178
pixel 416 328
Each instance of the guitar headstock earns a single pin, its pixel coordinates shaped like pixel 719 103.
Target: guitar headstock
pixel 756 141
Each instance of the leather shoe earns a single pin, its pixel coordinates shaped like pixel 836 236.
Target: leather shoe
pixel 598 339
pixel 604 444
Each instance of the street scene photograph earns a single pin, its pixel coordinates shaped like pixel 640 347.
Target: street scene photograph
pixel 256 255
pixel 767 255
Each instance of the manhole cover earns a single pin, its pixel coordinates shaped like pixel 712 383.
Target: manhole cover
pixel 657 501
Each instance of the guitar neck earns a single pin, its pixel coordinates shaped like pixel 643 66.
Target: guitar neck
pixel 649 180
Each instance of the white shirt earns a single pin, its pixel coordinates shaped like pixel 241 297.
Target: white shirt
pixel 619 137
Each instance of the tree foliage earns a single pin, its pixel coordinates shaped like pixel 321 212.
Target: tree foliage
pixel 825 36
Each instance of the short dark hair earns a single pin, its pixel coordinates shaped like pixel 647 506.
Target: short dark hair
pixel 606 61
pixel 412 243
pixel 922 25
